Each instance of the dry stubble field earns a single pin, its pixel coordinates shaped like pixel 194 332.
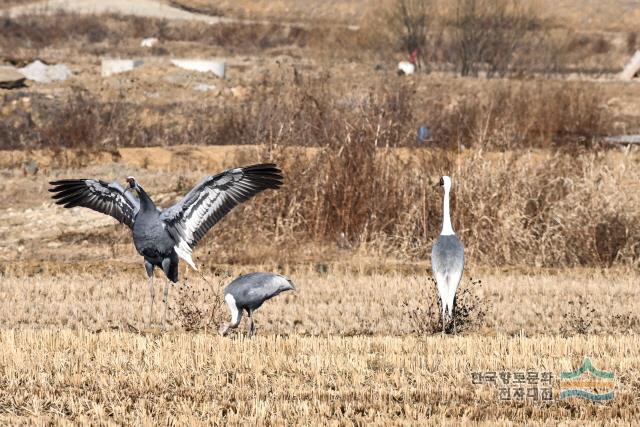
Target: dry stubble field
pixel 358 343
pixel 342 349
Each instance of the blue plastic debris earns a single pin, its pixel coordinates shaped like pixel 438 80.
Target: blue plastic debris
pixel 424 135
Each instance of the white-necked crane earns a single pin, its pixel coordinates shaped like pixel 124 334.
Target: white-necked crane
pixel 162 237
pixel 447 259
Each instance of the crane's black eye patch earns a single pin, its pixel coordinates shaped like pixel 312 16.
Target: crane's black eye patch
pixel 441 181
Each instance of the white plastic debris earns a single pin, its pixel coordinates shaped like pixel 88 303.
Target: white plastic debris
pixel 148 42
pixel 202 87
pixel 40 72
pixel 632 67
pixel 214 66
pixel 406 67
pixel 115 66
pixel 623 139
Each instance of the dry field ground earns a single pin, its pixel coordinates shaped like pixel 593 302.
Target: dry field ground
pixel 341 350
pixel 549 214
pixel 114 377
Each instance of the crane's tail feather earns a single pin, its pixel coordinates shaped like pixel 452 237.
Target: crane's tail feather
pixel 185 254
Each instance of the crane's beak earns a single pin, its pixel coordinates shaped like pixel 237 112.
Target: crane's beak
pixel 132 190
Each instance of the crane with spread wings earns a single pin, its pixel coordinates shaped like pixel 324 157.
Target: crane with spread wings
pixel 163 237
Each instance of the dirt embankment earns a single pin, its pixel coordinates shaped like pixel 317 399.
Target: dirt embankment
pixel 152 158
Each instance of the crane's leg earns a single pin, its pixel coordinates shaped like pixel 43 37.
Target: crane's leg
pixel 455 331
pixel 453 315
pixel 443 319
pixel 165 298
pixel 152 293
pixel 252 327
pixel 170 268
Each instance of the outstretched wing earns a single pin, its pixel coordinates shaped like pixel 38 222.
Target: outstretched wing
pixel 110 199
pixel 190 219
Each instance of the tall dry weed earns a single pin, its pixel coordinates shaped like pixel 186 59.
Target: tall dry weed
pixel 531 184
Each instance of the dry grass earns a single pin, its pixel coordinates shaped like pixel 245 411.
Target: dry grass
pixel 293 108
pixel 532 186
pixel 114 377
pixel 608 16
pixel 524 46
pixel 120 35
pixel 340 349
pixel 355 298
pixel 359 341
pixel 531 208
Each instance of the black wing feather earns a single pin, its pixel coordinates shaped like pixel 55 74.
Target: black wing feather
pixel 109 199
pixel 189 220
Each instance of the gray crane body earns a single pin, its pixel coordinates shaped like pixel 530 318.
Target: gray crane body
pixel 249 292
pixel 153 241
pixel 447 262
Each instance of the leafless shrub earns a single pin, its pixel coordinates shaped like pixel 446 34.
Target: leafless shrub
pixel 353 173
pixel 38 31
pixel 489 33
pixel 625 323
pixel 159 51
pixel 92 123
pixel 610 237
pixel 470 309
pixel 410 19
pixel 591 44
pixel 425 319
pixel 199 305
pixel 522 115
pixel 579 318
pixel 469 312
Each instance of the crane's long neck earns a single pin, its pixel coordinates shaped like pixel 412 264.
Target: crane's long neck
pixel 447 229
pixel 146 204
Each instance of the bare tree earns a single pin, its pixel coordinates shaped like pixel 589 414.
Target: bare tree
pixel 487 34
pixel 411 19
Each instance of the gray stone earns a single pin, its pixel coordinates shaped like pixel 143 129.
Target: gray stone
pixel 115 66
pixel 40 72
pixel 214 66
pixel 10 78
